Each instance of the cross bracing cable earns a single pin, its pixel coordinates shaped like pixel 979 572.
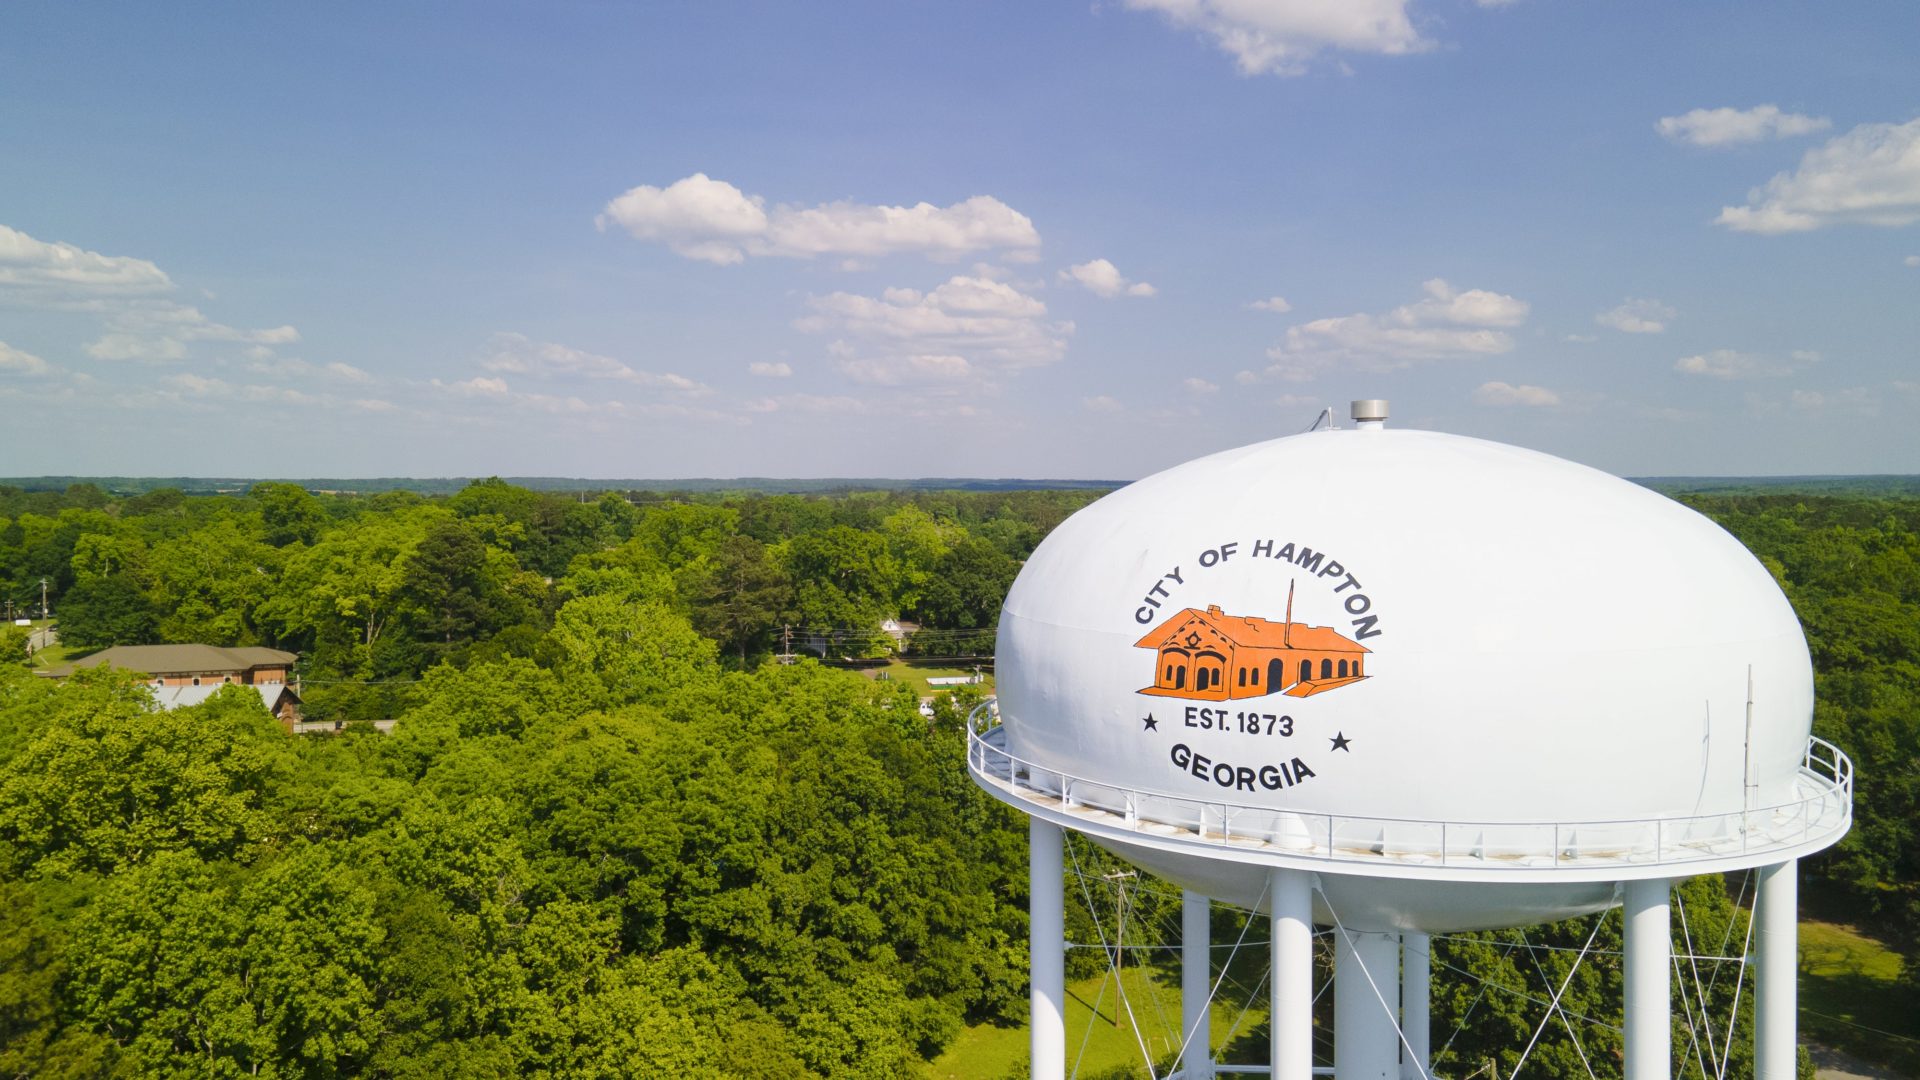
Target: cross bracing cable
pixel 1554 1005
pixel 1556 1009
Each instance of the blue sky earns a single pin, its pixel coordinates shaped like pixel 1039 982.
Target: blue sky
pixel 956 239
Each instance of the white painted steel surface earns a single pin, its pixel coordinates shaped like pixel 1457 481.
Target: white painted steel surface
pixel 1548 642
pixel 1196 984
pixel 1366 998
pixel 1648 964
pixel 1775 1006
pixel 1290 989
pixel 1047 945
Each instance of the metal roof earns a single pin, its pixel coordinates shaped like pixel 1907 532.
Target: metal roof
pixel 182 659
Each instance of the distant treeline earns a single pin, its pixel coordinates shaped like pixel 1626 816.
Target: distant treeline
pixel 1876 486
pixel 448 485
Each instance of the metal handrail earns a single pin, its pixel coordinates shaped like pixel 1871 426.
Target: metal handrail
pixel 1363 838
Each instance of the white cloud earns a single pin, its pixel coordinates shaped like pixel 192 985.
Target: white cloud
pixel 967 326
pixel 1276 304
pixel 265 363
pixel 1637 316
pixel 1102 403
pixel 1104 279
pixel 895 371
pixel 1200 387
pixel 1733 364
pixel 713 221
pixel 517 354
pixel 377 405
pixel 836 404
pixel 1246 378
pixel 1912 260
pixel 480 384
pixel 1499 393
pixel 35 271
pixel 1583 339
pixel 1280 36
pixel 1447 324
pixel 1869 176
pixel 21 362
pixel 774 369
pixel 124 294
pixel 1857 400
pixel 1730 127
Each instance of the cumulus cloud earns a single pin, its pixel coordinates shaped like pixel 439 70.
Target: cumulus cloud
pixel 967 326
pixel 1637 316
pixel 1104 279
pixel 37 271
pixel 1869 176
pixel 21 362
pixel 816 404
pixel 1733 364
pixel 1102 403
pixel 770 369
pixel 1279 37
pixel 1731 127
pixel 1499 393
pixel 1855 399
pixel 1447 324
pixel 1912 260
pixel 126 295
pixel 517 354
pixel 711 220
pixel 1200 387
pixel 161 331
pixel 292 367
pixel 1276 304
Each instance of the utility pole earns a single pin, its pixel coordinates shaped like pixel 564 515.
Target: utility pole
pixel 1119 879
pixel 43 598
pixel 786 643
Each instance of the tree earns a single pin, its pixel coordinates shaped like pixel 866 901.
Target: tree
pixel 739 595
pixel 110 781
pixel 289 512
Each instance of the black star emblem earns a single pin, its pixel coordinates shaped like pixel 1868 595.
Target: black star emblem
pixel 1340 741
pixel 1152 724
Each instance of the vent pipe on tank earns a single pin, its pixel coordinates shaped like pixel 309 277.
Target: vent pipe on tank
pixel 1370 414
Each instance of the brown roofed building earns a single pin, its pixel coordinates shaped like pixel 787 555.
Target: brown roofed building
pixel 185 675
pixel 191 665
pixel 1213 656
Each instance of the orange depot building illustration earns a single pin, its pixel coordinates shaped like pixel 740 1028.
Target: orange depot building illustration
pixel 1217 657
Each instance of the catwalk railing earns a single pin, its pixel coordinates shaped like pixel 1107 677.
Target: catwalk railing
pixel 1826 808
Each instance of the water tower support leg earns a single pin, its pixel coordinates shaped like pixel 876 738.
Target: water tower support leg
pixel 1290 900
pixel 1047 963
pixel 1649 1004
pixel 1775 1012
pixel 1196 983
pixel 1366 981
pixel 1416 995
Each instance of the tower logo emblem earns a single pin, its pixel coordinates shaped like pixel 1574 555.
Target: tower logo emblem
pixel 1210 655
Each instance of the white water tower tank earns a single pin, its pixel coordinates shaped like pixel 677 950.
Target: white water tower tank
pixel 1464 684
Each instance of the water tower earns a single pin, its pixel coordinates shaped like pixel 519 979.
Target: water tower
pixel 1402 683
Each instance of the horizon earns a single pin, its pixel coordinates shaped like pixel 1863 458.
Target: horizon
pixel 980 240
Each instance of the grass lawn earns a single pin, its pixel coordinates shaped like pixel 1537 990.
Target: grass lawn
pixel 989 1053
pixel 917 672
pixel 1849 998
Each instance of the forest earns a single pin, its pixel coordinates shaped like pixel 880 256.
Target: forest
pixel 611 834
